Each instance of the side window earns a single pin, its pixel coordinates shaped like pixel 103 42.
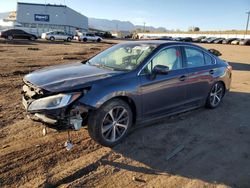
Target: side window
pixel 194 57
pixel 208 59
pixel 170 57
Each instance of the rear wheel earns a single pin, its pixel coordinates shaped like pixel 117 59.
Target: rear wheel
pixel 216 95
pixel 68 39
pixel 85 40
pixel 109 124
pixel 98 40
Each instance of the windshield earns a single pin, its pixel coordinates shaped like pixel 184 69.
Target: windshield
pixel 123 57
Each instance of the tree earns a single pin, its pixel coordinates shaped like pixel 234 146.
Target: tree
pixel 192 29
pixel 196 29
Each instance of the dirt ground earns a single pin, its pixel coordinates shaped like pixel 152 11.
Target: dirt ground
pixel 216 142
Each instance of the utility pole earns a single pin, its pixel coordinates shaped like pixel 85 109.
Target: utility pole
pixel 144 24
pixel 248 15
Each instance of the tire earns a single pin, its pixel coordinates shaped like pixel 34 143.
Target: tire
pixel 85 40
pixel 32 38
pixel 107 130
pixel 69 39
pixel 52 38
pixel 216 95
pixel 10 37
pixel 98 40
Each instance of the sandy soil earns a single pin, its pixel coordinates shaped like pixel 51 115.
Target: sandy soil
pixel 216 142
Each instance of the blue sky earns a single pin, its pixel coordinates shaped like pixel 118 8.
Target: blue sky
pixel 171 14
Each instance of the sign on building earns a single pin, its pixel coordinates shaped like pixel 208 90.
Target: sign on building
pixel 42 17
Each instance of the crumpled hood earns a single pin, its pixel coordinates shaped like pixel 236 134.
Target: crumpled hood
pixel 67 77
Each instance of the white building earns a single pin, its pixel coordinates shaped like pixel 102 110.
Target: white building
pixel 39 18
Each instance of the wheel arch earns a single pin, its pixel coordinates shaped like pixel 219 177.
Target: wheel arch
pixel 129 100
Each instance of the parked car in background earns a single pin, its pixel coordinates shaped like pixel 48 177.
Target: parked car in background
pixel 229 40
pixel 177 38
pixel 12 34
pixel 204 40
pixel 129 83
pixel 245 42
pixel 198 39
pixel 85 37
pixel 187 39
pixel 211 40
pixel 164 38
pixel 236 42
pixel 218 40
pixel 57 35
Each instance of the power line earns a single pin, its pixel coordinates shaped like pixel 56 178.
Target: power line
pixel 248 15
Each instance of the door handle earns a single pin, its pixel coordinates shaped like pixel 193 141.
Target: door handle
pixel 211 71
pixel 183 78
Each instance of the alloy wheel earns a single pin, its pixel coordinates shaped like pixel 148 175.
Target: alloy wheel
pixel 216 94
pixel 115 124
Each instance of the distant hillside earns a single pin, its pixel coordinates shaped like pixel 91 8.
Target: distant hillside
pixel 4 15
pixel 113 25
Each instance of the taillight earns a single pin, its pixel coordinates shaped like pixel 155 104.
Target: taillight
pixel 229 67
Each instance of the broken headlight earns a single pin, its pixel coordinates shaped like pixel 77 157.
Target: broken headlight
pixel 53 102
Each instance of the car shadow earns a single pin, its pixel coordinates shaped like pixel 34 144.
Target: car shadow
pixel 17 42
pixel 41 41
pixel 215 146
pixel 240 66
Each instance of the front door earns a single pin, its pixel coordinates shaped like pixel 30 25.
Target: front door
pixel 163 93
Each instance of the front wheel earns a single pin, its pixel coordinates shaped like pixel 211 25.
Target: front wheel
pixel 52 38
pixel 215 95
pixel 32 38
pixel 109 124
pixel 10 37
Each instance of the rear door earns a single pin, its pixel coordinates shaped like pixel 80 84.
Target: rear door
pixel 201 68
pixel 163 93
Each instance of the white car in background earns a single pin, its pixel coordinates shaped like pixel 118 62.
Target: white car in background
pixel 57 35
pixel 88 37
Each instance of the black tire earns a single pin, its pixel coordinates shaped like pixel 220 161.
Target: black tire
pixel 85 40
pixel 97 120
pixel 69 39
pixel 98 40
pixel 52 38
pixel 215 95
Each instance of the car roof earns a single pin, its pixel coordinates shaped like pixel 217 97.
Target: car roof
pixel 160 43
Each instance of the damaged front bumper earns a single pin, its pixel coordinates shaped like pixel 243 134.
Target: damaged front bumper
pixel 72 116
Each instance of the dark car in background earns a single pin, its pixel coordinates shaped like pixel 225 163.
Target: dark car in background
pixel 198 39
pixel 187 39
pixel 218 40
pixel 12 34
pixel 229 40
pixel 211 40
pixel 129 83
pixel 245 42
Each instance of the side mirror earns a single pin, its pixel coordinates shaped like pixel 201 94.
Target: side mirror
pixel 160 69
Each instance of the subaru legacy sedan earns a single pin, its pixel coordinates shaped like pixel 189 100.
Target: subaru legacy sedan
pixel 124 86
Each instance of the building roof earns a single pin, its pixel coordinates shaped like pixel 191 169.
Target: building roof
pixel 36 4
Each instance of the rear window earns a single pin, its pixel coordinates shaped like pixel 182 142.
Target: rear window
pixel 208 59
pixel 195 57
